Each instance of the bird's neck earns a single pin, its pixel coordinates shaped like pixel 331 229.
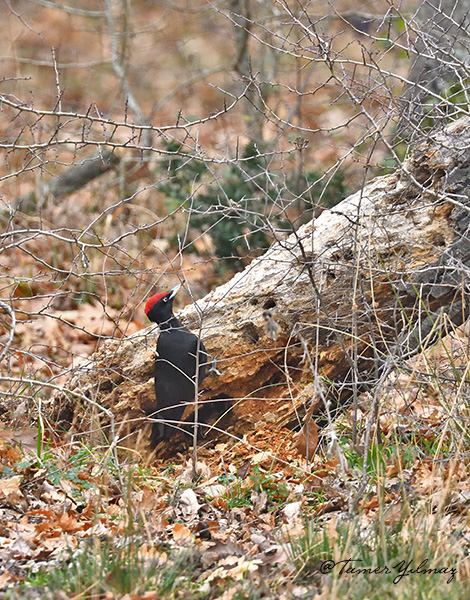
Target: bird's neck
pixel 172 323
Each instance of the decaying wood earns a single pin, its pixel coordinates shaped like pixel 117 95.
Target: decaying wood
pixel 72 179
pixel 78 175
pixel 371 278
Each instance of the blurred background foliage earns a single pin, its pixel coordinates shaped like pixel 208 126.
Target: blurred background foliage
pixel 248 205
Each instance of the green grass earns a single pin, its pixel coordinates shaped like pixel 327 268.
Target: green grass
pixel 239 491
pixel 117 566
pixel 405 561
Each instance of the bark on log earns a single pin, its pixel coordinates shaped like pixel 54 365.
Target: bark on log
pixel 78 175
pixel 358 284
pixel 72 179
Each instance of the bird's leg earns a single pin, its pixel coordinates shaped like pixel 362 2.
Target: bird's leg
pixel 158 429
pixel 158 433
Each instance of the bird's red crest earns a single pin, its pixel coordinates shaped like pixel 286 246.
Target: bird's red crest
pixel 153 300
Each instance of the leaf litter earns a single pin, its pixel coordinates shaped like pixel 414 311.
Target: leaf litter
pixel 247 504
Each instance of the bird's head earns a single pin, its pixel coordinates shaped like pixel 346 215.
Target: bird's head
pixel 159 308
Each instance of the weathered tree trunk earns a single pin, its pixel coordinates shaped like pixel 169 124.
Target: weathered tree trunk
pixel 78 175
pixel 361 282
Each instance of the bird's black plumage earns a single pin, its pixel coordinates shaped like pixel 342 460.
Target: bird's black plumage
pixel 175 364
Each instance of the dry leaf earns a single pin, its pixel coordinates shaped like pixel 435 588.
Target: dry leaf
pixel 391 470
pixel 57 544
pixel 261 457
pixel 25 437
pixel 23 548
pixel 292 510
pixel 429 478
pixel 394 513
pixel 5 577
pixel 181 533
pixel 202 470
pixel 233 568
pixel 372 503
pixel 69 523
pixel 188 505
pixel 150 596
pixel 219 503
pixel 214 491
pixel 306 440
pixel 8 455
pixel 10 490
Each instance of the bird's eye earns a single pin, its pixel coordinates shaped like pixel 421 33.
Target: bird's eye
pixel 165 299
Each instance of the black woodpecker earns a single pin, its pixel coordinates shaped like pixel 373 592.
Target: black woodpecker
pixel 175 364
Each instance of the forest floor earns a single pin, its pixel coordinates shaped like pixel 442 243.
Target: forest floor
pixel 259 520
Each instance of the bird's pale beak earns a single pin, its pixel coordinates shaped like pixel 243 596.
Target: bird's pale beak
pixel 173 291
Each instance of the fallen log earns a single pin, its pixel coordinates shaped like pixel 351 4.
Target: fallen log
pixel 322 309
pixel 80 174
